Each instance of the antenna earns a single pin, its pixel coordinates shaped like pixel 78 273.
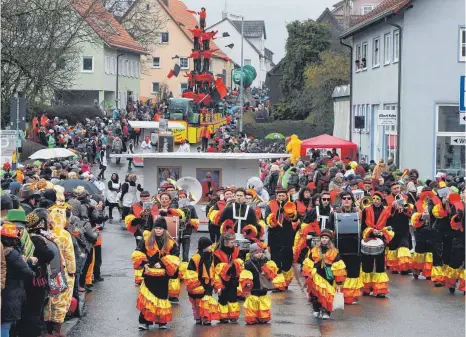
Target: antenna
pixel 225 10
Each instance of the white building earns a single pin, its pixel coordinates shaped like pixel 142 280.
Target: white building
pixel 254 51
pixel 422 89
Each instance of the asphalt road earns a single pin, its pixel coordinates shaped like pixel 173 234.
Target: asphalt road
pixel 413 307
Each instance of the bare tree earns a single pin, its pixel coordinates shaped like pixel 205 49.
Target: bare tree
pixel 144 20
pixel 41 41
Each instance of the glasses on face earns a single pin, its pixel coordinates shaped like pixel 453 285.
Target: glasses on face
pixel 208 177
pixel 346 198
pixel 325 199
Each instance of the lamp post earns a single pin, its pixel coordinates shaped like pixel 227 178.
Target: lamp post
pixel 117 74
pixel 241 89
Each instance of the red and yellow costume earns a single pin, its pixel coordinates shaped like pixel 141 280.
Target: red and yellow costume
pixel 228 268
pixel 375 218
pixel 454 270
pixel 320 287
pixel 199 279
pixel 152 302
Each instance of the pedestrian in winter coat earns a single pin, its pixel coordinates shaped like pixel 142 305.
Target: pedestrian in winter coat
pixel 18 272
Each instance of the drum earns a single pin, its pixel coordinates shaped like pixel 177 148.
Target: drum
pixel 372 247
pixel 173 223
pixel 348 233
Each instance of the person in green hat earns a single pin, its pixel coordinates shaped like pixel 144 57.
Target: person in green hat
pixel 18 218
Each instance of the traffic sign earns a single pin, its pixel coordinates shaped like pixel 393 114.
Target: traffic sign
pixel 458 140
pixel 386 118
pixel 462 93
pixel 462 118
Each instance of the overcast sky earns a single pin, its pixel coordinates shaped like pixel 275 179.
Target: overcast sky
pixel 275 13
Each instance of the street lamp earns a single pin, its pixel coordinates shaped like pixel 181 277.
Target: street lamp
pixel 236 16
pixel 117 73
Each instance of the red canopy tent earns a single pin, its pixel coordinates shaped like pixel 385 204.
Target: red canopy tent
pixel 348 149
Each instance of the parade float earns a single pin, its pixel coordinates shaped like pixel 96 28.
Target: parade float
pixel 198 105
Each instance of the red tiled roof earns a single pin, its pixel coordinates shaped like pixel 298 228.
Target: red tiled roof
pixel 106 26
pixel 179 12
pixel 385 8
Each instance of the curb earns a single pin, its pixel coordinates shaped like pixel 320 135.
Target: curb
pixel 70 325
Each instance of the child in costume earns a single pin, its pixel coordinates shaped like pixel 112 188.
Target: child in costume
pixel 325 272
pixel 199 281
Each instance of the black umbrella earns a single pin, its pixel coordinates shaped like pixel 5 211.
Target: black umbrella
pixel 70 184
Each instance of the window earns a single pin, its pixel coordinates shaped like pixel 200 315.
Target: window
pixel 450 156
pixel 155 87
pixel 247 62
pixel 364 56
pixel 184 63
pixel 376 53
pixel 387 48
pixel 396 45
pixel 462 46
pixel 164 37
pixel 183 87
pixel 121 70
pixel 358 57
pixel 362 110
pixel 113 66
pixel 156 62
pixel 138 69
pixel 126 66
pixel 107 65
pixel 366 9
pixel 87 64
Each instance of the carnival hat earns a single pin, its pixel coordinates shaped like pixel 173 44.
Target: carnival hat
pixel 9 230
pixel 16 215
pixel 328 233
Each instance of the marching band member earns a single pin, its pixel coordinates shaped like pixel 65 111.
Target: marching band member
pixel 185 238
pixel 422 221
pixel 214 210
pixel 282 224
pixel 455 268
pixel 199 280
pixel 304 204
pixel 228 268
pixel 325 272
pixel 141 217
pixel 398 256
pixel 353 284
pixel 157 256
pixel 252 198
pixel 367 185
pixel 166 210
pixel 238 213
pixel 373 225
pixel 258 304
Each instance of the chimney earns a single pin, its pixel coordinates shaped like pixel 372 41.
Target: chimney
pixel 224 15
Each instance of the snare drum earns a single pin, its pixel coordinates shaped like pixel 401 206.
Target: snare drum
pixel 372 247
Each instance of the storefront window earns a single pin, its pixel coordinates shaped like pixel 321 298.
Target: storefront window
pixel 450 155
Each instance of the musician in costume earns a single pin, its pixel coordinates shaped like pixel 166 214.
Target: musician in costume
pixel 157 256
pixel 367 187
pixel 304 204
pixel 314 221
pixel 140 219
pixel 398 258
pixel 240 214
pixel 214 211
pixel 258 304
pixel 325 272
pixel 454 270
pixel 228 267
pixel 166 210
pixel 281 219
pixel 199 281
pixel 348 251
pixel 373 227
pixel 191 221
pixel 253 199
pixel 422 220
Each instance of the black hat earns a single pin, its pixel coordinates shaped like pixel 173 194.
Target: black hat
pixel 160 222
pixel 203 243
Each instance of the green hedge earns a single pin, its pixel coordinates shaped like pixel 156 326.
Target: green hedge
pixel 301 128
